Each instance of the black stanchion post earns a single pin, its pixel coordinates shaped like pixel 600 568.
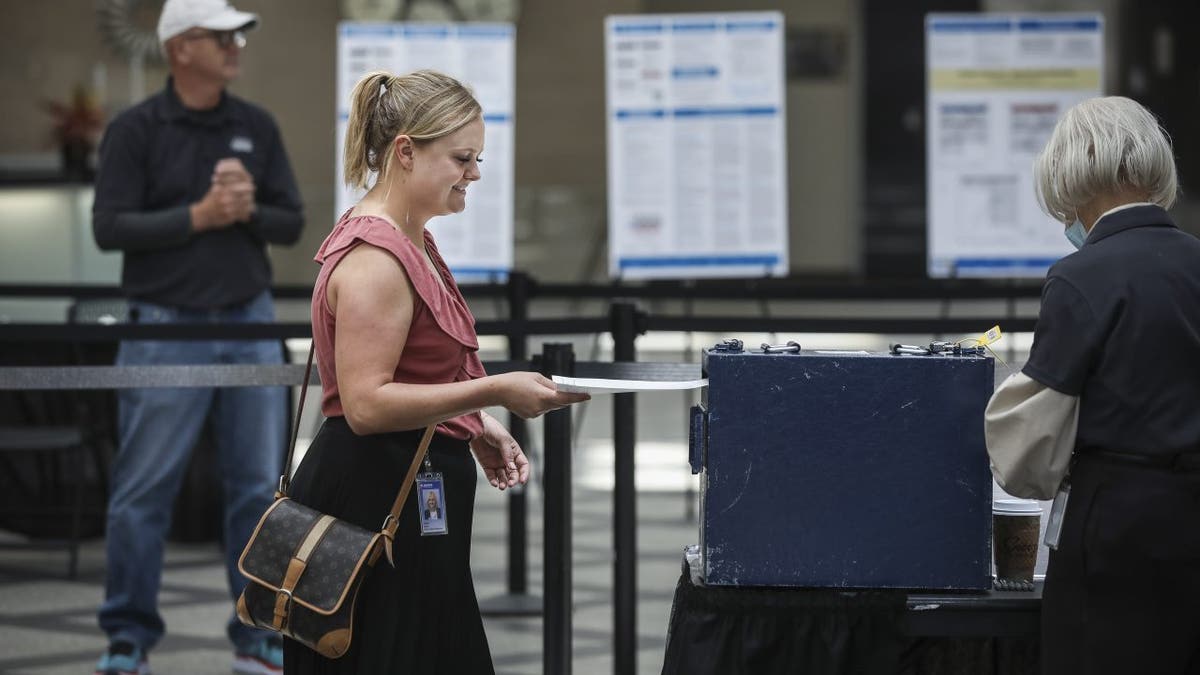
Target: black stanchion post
pixel 518 310
pixel 624 331
pixel 517 601
pixel 557 359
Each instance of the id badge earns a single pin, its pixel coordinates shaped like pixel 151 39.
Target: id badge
pixel 1057 510
pixel 431 504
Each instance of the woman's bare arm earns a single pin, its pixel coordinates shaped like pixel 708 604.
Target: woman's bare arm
pixel 372 300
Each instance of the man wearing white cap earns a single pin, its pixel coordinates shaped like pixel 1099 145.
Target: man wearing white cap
pixel 192 184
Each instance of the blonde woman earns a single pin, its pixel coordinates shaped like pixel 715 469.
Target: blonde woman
pixel 396 348
pixel 1111 391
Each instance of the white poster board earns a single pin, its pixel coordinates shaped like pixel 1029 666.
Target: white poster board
pixel 477 243
pixel 996 85
pixel 697 174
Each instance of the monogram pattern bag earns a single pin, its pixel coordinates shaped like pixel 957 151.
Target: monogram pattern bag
pixel 305 568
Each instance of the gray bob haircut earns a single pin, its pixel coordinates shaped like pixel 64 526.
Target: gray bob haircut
pixel 1104 146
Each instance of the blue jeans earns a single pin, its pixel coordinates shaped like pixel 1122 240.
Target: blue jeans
pixel 158 428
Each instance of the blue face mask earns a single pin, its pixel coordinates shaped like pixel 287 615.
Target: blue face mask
pixel 1076 234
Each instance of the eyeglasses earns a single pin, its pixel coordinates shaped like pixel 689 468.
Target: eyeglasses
pixel 224 38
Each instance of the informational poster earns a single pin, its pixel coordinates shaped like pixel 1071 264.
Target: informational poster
pixel 477 243
pixel 996 86
pixel 697 173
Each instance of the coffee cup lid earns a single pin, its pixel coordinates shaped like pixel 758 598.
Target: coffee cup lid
pixel 1016 506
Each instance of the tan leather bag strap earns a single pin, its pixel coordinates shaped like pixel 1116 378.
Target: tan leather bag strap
pixel 285 479
pixel 392 521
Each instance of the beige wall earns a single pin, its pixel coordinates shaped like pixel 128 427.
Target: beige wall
pixel 46 48
pixel 560 90
pixel 288 67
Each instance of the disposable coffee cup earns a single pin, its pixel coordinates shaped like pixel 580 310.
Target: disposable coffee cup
pixel 1016 524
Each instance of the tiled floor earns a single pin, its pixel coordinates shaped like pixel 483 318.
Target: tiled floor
pixel 48 625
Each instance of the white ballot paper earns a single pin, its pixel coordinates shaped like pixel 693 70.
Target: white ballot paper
pixel 586 385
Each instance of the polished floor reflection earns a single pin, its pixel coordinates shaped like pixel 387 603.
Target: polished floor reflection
pixel 48 625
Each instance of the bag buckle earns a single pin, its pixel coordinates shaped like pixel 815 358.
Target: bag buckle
pixel 387 539
pixel 283 613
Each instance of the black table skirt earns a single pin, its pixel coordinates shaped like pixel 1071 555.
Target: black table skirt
pixel 733 631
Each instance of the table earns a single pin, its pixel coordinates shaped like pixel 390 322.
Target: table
pixel 731 630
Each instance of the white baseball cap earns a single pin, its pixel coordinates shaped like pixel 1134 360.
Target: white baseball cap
pixel 181 15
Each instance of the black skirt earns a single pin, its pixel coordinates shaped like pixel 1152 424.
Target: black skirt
pixel 421 617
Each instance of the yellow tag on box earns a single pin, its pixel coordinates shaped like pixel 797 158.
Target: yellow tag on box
pixel 992 335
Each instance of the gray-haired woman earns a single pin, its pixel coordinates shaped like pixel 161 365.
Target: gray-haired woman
pixel 1111 393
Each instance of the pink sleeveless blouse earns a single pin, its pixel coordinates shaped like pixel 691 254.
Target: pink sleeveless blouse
pixel 441 347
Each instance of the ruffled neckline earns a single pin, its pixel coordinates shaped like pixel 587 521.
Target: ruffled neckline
pixel 446 304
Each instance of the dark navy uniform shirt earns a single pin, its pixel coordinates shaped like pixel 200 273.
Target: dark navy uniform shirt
pixel 156 159
pixel 1119 327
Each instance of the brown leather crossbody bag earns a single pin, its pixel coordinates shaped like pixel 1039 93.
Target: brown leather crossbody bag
pixel 305 568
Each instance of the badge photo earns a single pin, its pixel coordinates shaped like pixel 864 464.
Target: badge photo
pixel 431 504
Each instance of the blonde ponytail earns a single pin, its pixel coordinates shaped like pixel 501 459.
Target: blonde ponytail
pixel 362 130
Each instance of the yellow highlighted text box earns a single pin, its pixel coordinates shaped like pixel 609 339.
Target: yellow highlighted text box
pixel 1029 78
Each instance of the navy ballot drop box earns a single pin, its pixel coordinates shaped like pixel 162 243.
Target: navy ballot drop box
pixel 843 469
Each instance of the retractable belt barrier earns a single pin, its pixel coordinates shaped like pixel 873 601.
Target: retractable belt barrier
pixel 731 325
pixel 46 378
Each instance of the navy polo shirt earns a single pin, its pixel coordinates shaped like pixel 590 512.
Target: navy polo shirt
pixel 1119 327
pixel 156 160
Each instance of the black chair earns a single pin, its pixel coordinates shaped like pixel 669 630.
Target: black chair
pixel 42 477
pixel 54 445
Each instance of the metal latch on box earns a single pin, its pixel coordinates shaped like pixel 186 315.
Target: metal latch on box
pixel 697 438
pixel 792 347
pixel 937 347
pixel 731 345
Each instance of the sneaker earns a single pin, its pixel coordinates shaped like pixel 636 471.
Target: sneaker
pixel 123 658
pixel 264 657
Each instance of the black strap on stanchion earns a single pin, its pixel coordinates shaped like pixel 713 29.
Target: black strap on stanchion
pixel 65 378
pixel 516 601
pixel 624 319
pixel 518 560
pixel 138 377
pixel 557 359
